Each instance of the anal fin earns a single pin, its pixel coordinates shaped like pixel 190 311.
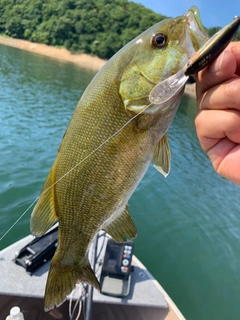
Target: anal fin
pixel 44 214
pixel 122 227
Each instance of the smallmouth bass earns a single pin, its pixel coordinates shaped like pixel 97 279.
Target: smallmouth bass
pixel 96 170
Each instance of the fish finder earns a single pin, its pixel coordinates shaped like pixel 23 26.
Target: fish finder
pixel 116 271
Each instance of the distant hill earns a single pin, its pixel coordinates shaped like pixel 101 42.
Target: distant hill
pixel 98 27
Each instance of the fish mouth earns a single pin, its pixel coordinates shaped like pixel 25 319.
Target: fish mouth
pixel 195 33
pixel 195 23
pixel 189 33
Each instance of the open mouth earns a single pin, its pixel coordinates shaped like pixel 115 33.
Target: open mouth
pixel 196 30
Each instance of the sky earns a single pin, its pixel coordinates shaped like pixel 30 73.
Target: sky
pixel 213 12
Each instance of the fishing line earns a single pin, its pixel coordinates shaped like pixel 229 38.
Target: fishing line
pixel 23 214
pixel 82 293
pixel 80 162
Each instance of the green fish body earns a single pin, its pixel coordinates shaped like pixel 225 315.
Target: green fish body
pixel 107 148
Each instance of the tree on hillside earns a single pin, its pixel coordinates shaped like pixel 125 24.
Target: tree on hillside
pixel 98 27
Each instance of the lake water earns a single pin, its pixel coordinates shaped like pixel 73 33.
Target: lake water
pixel 188 224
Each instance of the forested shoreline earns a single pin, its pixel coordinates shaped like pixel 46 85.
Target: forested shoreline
pixel 96 27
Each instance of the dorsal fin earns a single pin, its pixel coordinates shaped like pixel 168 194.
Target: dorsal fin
pixel 162 156
pixel 44 215
pixel 121 227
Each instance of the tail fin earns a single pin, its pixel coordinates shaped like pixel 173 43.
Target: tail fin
pixel 62 280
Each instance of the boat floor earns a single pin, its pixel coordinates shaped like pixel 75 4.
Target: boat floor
pixel 147 299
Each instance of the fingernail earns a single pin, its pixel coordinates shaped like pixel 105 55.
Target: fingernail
pixel 216 66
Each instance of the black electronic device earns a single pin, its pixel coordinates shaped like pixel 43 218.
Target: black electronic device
pixel 38 251
pixel 116 271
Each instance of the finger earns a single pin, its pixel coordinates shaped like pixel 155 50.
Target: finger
pixel 220 70
pixel 225 158
pixel 219 135
pixel 214 125
pixel 224 96
pixel 235 47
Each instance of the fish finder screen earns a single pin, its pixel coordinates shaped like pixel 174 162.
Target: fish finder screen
pixel 114 256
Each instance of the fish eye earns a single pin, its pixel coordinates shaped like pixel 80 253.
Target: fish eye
pixel 159 40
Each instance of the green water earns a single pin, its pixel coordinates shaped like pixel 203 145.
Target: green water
pixel 188 224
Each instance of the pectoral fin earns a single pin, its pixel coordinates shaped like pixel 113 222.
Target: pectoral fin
pixel 44 215
pixel 121 227
pixel 162 156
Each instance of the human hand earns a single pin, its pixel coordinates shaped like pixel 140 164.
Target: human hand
pixel 218 120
